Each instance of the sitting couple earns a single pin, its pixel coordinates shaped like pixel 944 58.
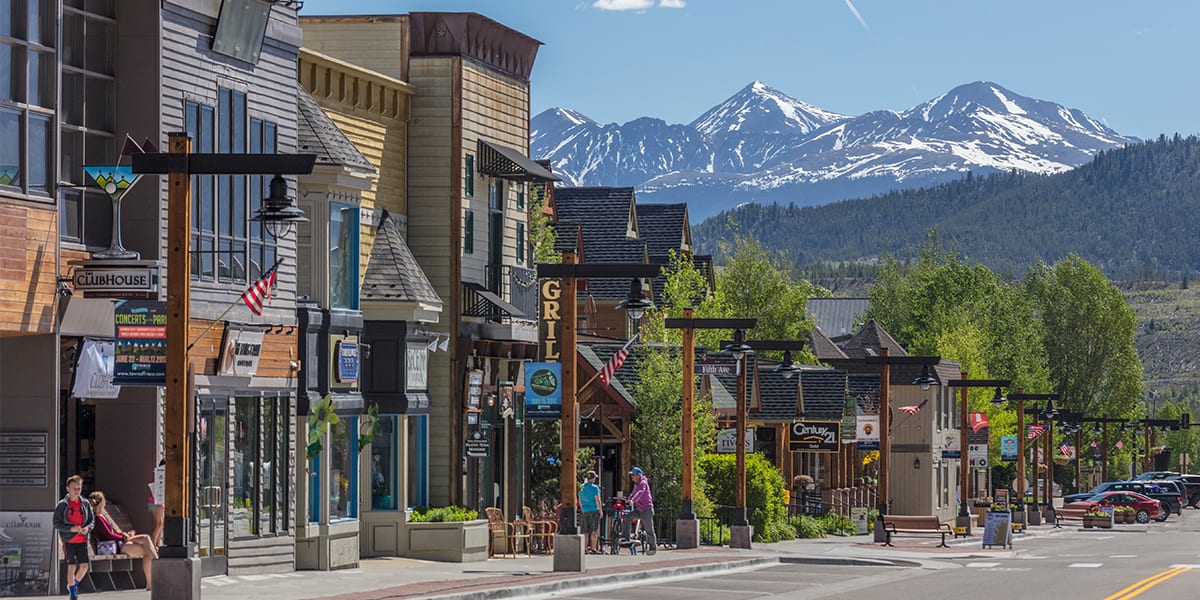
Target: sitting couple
pixel 77 519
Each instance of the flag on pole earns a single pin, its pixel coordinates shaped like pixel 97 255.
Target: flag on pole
pixel 1120 444
pixel 1034 431
pixel 1066 450
pixel 260 291
pixel 912 410
pixel 432 347
pixel 978 421
pixel 614 363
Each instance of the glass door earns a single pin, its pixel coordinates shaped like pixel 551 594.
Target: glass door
pixel 213 507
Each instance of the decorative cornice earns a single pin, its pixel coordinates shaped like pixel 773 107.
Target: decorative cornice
pixel 349 86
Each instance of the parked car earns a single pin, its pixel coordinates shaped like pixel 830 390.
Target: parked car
pixel 1144 508
pixel 1150 475
pixel 1192 484
pixel 1171 501
pixel 1174 484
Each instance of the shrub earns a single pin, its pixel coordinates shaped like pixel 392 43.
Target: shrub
pixel 838 524
pixel 807 527
pixel 445 514
pixel 765 505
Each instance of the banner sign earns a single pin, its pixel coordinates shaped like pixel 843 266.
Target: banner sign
pixel 996 529
pixel 550 301
pixel 868 432
pixel 241 347
pixel 1008 448
pixel 814 436
pixel 727 441
pixel 543 390
pixel 951 445
pixel 140 339
pixel 94 371
pixel 26 540
pixel 977 455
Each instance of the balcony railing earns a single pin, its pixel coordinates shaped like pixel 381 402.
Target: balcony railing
pixel 515 285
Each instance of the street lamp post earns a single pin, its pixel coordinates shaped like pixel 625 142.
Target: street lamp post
pixel 568 544
pixel 177 572
pixel 687 527
pixel 964 514
pixel 1034 516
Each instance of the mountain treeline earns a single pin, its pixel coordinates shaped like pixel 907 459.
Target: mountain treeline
pixel 1132 212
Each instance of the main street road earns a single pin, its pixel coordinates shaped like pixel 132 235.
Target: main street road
pixel 1156 562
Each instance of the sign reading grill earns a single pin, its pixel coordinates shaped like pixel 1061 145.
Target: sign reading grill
pixel 116 281
pixel 814 436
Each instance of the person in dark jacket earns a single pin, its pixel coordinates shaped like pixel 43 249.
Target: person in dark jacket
pixel 73 519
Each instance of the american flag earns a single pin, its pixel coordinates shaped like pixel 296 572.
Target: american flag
pixel 1065 449
pixel 912 410
pixel 1035 430
pixel 1120 444
pixel 261 290
pixel 614 363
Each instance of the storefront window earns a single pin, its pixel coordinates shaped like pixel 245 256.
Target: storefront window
pixel 244 454
pixel 383 465
pixel 343 472
pixel 267 478
pixel 283 424
pixel 343 256
pixel 314 490
pixel 418 460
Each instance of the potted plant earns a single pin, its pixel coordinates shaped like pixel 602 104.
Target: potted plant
pixel 1018 515
pixel 1124 514
pixel 803 482
pixel 1094 517
pixel 449 534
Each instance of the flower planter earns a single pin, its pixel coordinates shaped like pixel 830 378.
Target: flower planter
pixel 452 541
pixel 1104 522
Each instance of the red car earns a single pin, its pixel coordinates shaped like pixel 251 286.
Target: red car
pixel 1143 508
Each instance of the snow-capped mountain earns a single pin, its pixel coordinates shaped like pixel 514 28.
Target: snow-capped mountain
pixel 762 145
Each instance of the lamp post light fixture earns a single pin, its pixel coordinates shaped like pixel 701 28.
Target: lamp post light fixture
pixel 687 527
pixel 740 533
pixel 279 213
pixel 787 368
pixel 568 544
pixel 964 471
pixel 1021 398
pixel 176 563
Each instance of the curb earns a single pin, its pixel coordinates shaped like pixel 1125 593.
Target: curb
pixel 594 582
pixel 848 561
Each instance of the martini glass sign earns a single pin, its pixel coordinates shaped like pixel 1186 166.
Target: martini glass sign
pixel 115 181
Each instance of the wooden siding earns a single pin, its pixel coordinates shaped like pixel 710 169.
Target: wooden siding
pixel 28 268
pixel 376 43
pixel 191 72
pixel 278 350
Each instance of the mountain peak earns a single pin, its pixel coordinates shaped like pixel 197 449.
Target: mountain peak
pixel 761 108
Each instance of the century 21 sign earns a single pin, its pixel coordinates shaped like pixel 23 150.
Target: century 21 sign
pixel 814 436
pixel 551 303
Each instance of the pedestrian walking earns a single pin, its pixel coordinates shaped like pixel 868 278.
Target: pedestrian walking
pixel 73 519
pixel 643 507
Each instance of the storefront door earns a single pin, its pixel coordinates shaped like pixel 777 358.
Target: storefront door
pixel 213 508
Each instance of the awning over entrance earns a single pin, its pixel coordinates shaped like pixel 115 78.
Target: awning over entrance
pixel 482 302
pixel 87 317
pixel 507 163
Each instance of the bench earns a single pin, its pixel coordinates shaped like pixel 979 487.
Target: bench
pixel 1068 514
pixel 103 567
pixel 893 524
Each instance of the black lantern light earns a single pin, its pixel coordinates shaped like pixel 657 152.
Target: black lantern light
pixel 738 348
pixel 278 212
pixel 998 398
pixel 636 304
pixel 787 368
pixel 925 380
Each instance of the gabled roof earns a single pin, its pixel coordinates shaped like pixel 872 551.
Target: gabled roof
pixel 870 340
pixel 664 227
pixel 823 347
pixel 822 393
pixel 625 379
pixel 777 396
pixel 317 134
pixel 392 272
pixel 838 318
pixel 567 237
pixel 728 383
pixel 605 216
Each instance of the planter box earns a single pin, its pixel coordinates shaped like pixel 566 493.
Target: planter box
pixel 461 541
pixel 1105 522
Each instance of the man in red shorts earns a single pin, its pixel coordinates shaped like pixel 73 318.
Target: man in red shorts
pixel 73 519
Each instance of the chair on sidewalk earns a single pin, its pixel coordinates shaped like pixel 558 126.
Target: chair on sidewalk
pixel 508 533
pixel 541 531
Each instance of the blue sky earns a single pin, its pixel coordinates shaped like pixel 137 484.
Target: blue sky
pixel 1131 65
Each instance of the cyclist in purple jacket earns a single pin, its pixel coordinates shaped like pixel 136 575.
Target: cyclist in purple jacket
pixel 643 507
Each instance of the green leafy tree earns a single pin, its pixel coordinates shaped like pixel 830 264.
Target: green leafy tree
pixel 542 235
pixel 1088 337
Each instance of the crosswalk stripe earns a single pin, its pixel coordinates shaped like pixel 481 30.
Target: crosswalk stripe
pixel 982 565
pixel 1085 565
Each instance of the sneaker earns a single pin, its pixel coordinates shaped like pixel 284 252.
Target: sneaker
pixel 651 551
pixel 73 590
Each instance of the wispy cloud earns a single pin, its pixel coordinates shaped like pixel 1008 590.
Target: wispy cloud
pixel 672 4
pixel 623 4
pixel 861 20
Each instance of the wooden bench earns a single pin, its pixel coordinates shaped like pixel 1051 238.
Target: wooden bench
pixel 1068 514
pixel 103 567
pixel 893 524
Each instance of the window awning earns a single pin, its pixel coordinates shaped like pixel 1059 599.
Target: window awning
pixel 483 302
pixel 506 163
pixel 87 317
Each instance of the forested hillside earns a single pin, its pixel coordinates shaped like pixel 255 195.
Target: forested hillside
pixel 1132 212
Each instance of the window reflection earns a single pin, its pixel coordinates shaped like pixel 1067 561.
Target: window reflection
pixel 383 465
pixel 341 484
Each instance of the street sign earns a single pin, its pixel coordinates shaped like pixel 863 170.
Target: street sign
pixel 477 445
pixel 712 367
pixel 867 434
pixel 950 445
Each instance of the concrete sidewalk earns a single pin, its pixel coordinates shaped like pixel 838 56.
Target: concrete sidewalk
pixel 401 578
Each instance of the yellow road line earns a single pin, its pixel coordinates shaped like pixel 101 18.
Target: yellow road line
pixel 1147 583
